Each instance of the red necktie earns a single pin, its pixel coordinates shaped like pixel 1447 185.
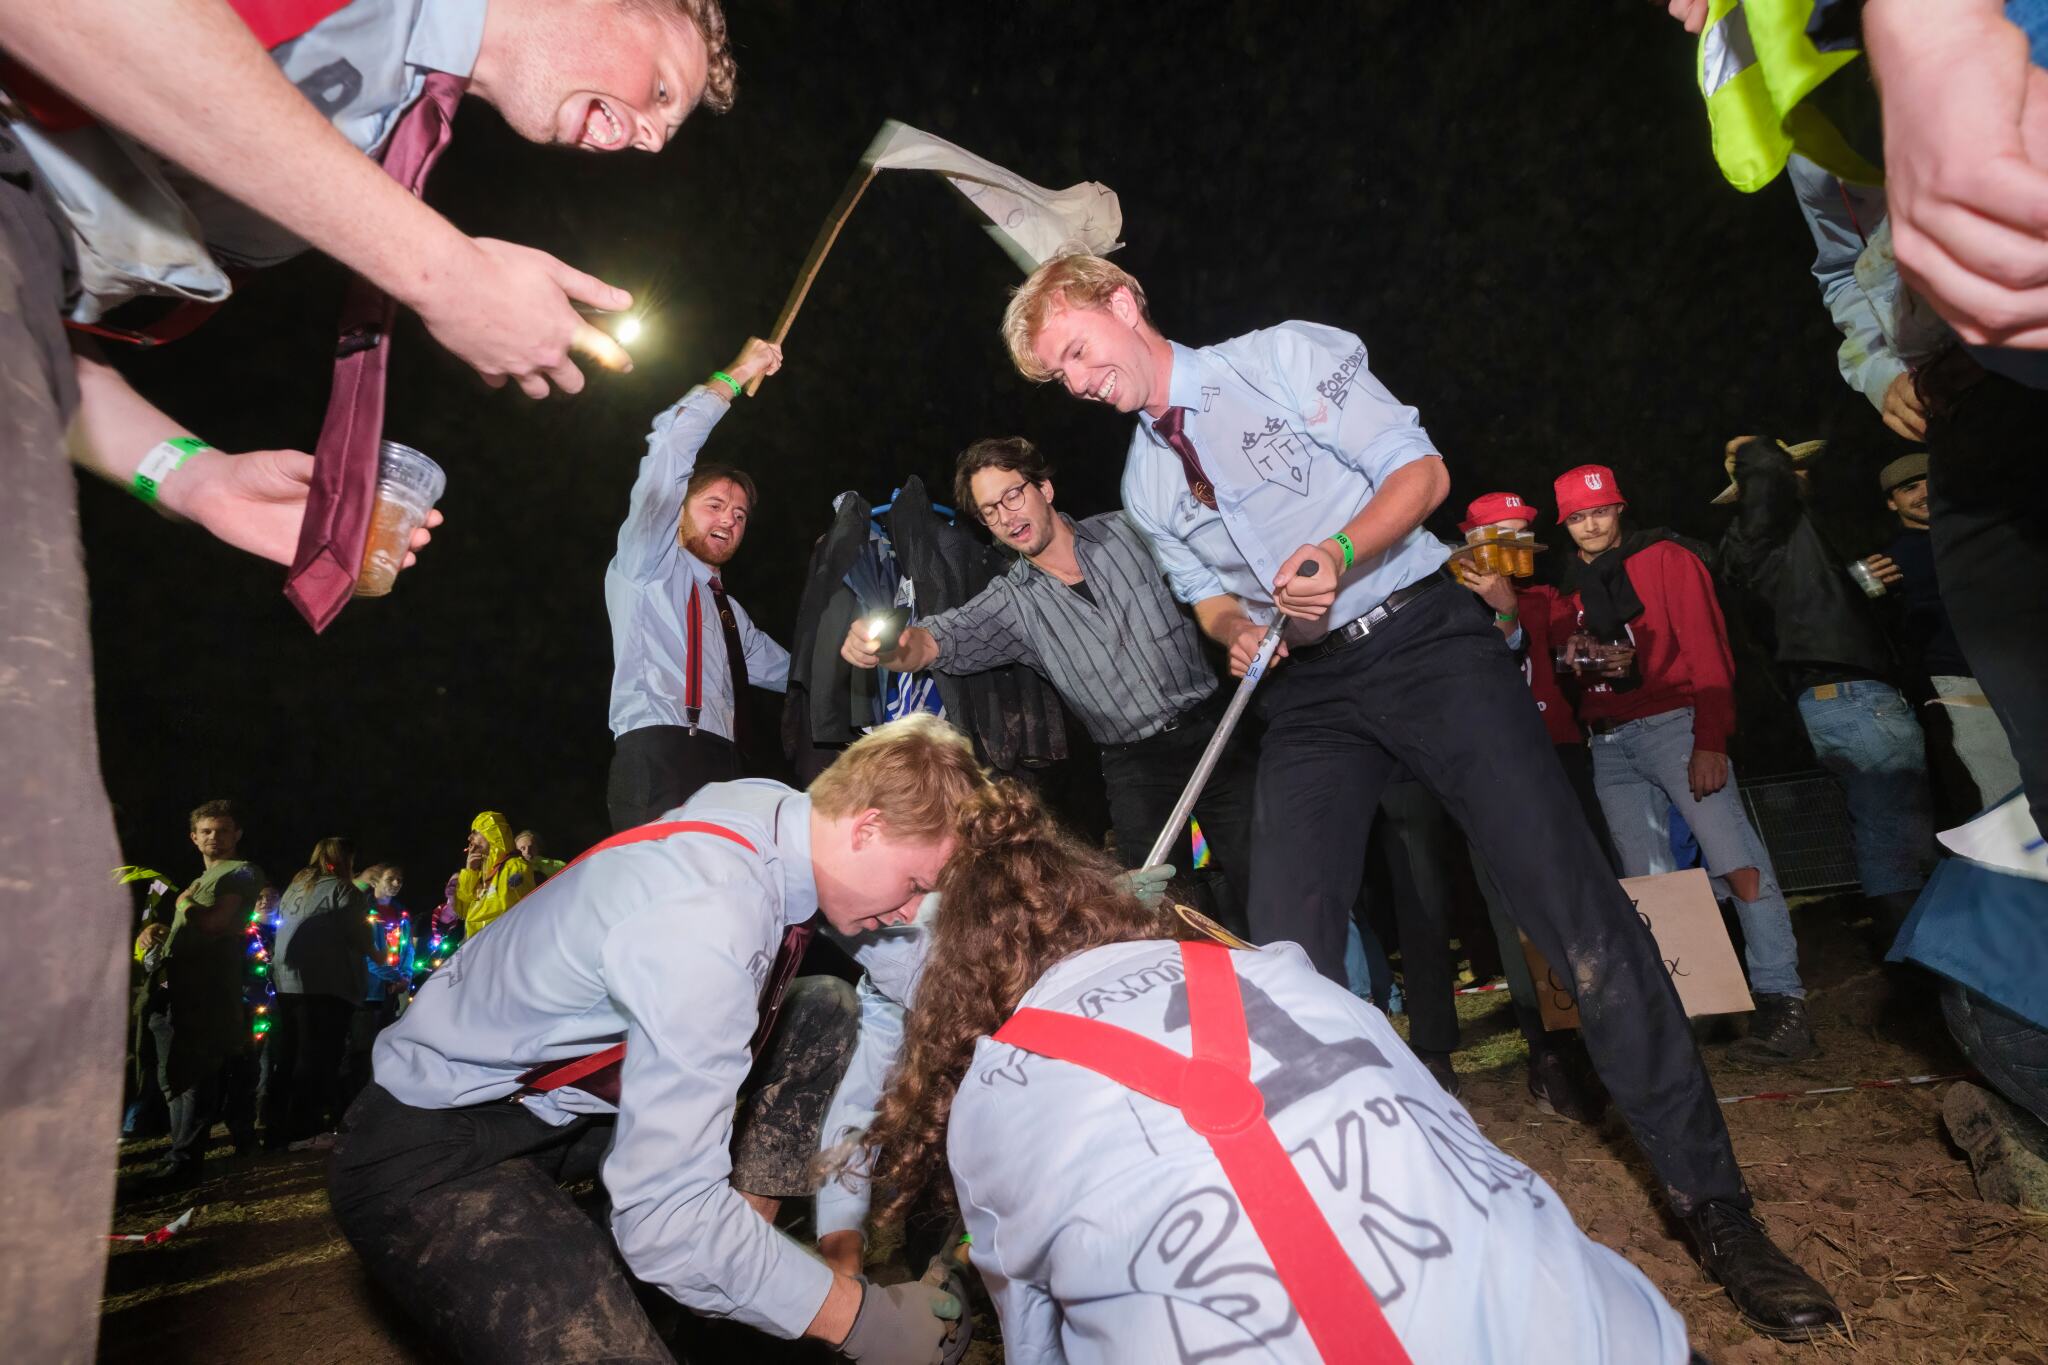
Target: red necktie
pixel 1172 425
pixel 344 491
pixel 736 659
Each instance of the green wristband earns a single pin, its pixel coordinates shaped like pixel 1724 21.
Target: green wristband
pixel 728 381
pixel 1344 544
pixel 1506 616
pixel 163 460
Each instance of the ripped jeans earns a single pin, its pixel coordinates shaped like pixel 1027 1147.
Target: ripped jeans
pixel 1641 770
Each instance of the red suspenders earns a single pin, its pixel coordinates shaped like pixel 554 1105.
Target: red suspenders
pixel 1213 1090
pixel 598 1072
pixel 693 686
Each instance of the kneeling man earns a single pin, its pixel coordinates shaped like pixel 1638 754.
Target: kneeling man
pixel 606 1026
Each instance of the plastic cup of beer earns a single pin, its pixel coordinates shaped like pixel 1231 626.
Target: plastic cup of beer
pixel 1872 585
pixel 408 486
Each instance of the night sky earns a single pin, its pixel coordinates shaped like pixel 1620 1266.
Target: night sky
pixel 1513 205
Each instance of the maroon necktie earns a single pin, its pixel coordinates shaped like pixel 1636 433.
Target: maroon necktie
pixel 736 658
pixel 1172 424
pixel 344 491
pixel 597 1073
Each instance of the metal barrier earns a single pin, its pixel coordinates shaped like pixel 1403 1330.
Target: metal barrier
pixel 1804 822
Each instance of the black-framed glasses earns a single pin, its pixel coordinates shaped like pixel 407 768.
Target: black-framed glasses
pixel 1008 501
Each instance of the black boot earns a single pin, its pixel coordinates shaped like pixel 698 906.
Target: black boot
pixel 1778 1032
pixel 1772 1293
pixel 1562 1080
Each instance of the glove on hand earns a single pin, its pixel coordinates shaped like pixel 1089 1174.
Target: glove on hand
pixel 904 1324
pixel 1148 884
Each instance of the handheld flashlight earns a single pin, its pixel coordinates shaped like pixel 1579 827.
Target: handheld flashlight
pixel 885 628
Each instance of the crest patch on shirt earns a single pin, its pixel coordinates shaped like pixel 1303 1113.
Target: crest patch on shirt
pixel 1280 455
pixel 1340 384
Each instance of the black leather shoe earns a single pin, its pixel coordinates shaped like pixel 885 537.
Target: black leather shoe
pixel 1562 1082
pixel 1439 1064
pixel 1772 1293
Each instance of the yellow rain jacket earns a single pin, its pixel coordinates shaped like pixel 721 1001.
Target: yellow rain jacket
pixel 504 881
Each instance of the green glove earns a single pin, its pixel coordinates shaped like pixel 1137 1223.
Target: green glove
pixel 910 1323
pixel 1148 884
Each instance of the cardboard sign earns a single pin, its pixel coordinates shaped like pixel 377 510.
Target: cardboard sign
pixel 1683 917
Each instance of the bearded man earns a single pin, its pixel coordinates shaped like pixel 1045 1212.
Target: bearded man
pixel 683 652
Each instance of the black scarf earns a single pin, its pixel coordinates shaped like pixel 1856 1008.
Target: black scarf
pixel 1608 598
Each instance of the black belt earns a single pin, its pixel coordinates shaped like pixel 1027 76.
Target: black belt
pixel 1358 627
pixel 1207 709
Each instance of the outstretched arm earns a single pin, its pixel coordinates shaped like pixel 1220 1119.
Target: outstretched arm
pixel 673 445
pixel 188 79
pixel 254 501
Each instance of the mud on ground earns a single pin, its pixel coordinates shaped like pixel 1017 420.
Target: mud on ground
pixel 1863 1189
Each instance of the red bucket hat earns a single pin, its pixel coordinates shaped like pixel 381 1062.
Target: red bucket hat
pixel 1590 485
pixel 1488 508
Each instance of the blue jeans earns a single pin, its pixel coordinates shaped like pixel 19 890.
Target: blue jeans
pixel 1866 736
pixel 1641 772
pixel 2012 1053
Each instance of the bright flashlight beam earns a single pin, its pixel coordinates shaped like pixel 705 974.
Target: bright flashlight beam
pixel 628 331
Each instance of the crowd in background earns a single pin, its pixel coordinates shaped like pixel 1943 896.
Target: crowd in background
pixel 256 1007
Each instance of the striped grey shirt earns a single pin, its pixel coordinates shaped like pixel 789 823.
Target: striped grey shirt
pixel 1127 662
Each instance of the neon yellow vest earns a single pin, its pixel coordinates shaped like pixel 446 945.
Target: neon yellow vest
pixel 1756 68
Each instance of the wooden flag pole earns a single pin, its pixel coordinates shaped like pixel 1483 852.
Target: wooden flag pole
pixel 827 235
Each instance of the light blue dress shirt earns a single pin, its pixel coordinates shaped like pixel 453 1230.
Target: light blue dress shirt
pixel 666 944
pixel 647 593
pixel 1297 436
pixel 133 213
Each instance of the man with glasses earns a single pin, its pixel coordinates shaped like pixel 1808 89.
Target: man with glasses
pixel 1086 606
pixel 684 653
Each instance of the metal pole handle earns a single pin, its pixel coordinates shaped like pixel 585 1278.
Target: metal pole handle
pixel 1200 778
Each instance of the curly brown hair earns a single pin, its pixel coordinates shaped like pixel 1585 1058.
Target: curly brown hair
pixel 1018 896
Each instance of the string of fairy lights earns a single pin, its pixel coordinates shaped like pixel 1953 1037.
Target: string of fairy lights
pixel 392 939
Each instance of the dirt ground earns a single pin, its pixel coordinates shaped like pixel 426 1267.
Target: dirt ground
pixel 1861 1188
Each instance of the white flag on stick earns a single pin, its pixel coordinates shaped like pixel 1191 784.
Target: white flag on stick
pixel 1033 224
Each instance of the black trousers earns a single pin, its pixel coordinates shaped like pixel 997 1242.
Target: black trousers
pixel 461 1213
pixel 1418 841
pixel 1436 689
pixel 1991 555
pixel 1577 762
pixel 1145 778
pixel 658 767
pixel 307 1043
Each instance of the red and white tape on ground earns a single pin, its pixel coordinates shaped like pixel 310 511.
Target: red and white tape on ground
pixel 1893 1083
pixel 161 1235
pixel 1481 990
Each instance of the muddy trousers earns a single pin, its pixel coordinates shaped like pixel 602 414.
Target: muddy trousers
pixel 462 1216
pixel 65 971
pixel 1434 689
